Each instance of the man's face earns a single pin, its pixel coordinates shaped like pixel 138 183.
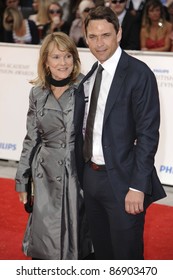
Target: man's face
pixel 12 3
pixel 118 6
pixel 102 39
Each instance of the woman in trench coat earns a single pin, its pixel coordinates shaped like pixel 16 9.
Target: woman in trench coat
pixel 56 227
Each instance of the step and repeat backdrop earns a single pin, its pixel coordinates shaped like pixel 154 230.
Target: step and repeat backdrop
pixel 18 65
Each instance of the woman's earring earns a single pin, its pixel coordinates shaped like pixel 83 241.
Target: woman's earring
pixel 48 70
pixel 160 23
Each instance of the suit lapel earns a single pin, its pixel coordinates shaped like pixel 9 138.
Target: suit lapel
pixel 88 75
pixel 117 83
pixel 80 100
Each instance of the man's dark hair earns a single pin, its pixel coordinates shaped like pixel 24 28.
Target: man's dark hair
pixel 101 12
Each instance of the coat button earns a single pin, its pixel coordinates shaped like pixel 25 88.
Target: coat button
pixel 39 175
pixel 60 162
pixel 58 179
pixel 63 145
pixel 41 160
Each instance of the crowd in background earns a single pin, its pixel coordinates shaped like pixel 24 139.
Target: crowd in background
pixel 147 24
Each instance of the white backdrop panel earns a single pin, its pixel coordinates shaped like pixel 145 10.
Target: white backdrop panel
pixel 162 66
pixel 18 65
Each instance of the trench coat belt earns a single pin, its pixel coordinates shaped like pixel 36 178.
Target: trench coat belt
pixel 97 167
pixel 54 145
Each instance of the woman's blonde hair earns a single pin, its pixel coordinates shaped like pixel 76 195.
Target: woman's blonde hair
pixel 14 14
pixel 64 43
pixel 42 16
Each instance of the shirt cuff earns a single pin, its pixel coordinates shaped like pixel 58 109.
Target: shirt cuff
pixel 134 190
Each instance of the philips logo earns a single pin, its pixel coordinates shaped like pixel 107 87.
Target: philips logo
pixel 166 169
pixel 162 71
pixel 7 146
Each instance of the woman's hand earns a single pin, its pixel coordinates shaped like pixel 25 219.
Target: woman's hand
pixel 23 197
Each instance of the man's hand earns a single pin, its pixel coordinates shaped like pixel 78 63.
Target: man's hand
pixel 23 197
pixel 134 202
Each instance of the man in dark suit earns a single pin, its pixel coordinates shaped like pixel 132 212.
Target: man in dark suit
pixel 130 24
pixel 119 179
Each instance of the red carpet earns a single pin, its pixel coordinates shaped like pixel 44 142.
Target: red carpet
pixel 13 220
pixel 158 231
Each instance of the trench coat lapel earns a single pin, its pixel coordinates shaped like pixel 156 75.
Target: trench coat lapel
pixel 52 103
pixel 116 85
pixel 42 97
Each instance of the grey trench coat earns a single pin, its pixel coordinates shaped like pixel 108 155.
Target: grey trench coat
pixel 57 228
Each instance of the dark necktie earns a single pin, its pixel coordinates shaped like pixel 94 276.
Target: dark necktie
pixel 88 143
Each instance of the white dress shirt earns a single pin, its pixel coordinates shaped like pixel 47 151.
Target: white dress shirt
pixel 109 66
pixel 121 17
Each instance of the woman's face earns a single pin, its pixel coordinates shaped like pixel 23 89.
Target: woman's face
pixel 55 13
pixel 170 9
pixel 154 13
pixel 60 63
pixel 87 9
pixel 35 5
pixel 9 22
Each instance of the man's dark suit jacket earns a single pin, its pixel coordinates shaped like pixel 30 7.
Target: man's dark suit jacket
pixel 130 32
pixel 130 130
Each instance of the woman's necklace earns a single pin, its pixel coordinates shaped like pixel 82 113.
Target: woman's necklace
pixel 57 83
pixel 58 87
